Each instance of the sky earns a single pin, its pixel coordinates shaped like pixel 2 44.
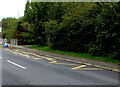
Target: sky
pixel 15 8
pixel 12 8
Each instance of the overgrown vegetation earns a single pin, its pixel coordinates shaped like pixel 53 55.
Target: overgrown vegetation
pixel 81 27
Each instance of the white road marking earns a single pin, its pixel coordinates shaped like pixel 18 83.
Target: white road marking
pixel 16 64
pixel 0 57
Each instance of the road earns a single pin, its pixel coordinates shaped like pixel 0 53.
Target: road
pixel 20 68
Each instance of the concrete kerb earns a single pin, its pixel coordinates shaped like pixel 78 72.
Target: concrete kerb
pixel 69 60
pixel 98 66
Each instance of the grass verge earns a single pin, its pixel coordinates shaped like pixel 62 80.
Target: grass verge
pixel 83 55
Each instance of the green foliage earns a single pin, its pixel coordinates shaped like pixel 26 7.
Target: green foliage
pixel 81 27
pixel 106 22
pixel 72 35
pixel 51 28
pixel 78 55
pixel 9 28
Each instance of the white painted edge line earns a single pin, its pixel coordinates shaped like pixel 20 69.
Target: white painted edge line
pixel 16 64
pixel 0 57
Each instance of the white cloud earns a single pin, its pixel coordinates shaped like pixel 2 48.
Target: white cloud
pixel 10 8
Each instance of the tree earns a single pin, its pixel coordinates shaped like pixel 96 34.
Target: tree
pixel 9 27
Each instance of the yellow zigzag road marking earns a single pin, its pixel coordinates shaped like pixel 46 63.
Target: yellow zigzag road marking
pixel 23 55
pixel 47 55
pixel 36 58
pixel 51 59
pixel 39 56
pixel 53 62
pixel 82 67
pixel 34 55
pixel 26 56
pixel 8 50
pixel 26 53
pixel 48 58
pixel 91 69
pixel 79 67
pixel 17 50
pixel 23 51
pixel 65 64
pixel 20 54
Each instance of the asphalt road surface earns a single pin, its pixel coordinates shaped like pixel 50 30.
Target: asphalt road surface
pixel 20 68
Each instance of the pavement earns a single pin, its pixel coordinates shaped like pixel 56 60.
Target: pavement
pixel 94 63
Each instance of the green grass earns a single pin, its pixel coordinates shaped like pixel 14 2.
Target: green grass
pixel 79 55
